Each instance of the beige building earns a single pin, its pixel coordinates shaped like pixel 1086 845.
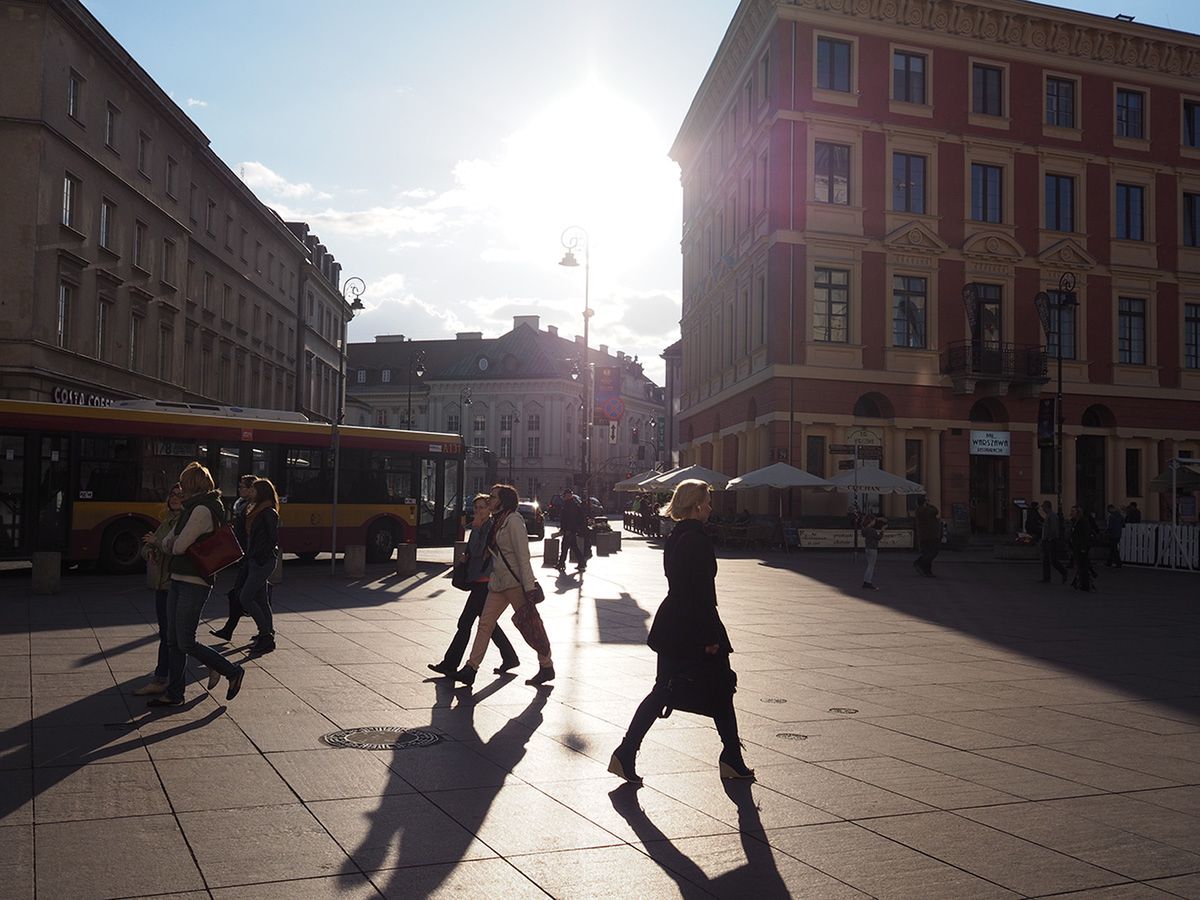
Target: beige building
pixel 134 262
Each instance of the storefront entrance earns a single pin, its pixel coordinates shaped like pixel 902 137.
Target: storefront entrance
pixel 1090 473
pixel 989 494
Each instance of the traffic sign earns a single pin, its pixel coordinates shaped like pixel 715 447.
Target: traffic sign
pixel 864 451
pixel 841 448
pixel 612 432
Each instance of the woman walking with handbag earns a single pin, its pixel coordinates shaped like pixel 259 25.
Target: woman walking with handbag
pixel 240 505
pixel 689 637
pixel 512 584
pixel 262 555
pixel 202 514
pixel 157 565
pixel 477 571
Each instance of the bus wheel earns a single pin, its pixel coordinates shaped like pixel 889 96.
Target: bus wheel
pixel 381 542
pixel 307 556
pixel 121 545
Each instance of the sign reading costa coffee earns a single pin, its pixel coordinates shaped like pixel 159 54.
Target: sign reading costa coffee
pixel 80 398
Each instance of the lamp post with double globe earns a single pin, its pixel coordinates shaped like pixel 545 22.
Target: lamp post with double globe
pixel 576 238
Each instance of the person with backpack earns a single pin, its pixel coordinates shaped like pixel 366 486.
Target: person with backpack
pixel 201 515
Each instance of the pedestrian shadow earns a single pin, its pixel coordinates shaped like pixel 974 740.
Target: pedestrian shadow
pixel 387 830
pixel 758 877
pixel 621 620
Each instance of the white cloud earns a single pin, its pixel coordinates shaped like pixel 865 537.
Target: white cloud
pixel 260 178
pixel 192 101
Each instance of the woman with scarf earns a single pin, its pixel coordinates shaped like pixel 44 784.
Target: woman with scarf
pixel 202 514
pixel 161 577
pixel 262 555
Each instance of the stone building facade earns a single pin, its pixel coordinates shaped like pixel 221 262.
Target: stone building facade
pixel 874 195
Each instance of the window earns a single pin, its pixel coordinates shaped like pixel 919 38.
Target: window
pixel 533 422
pixel 814 455
pixel 206 291
pixel 479 424
pixel 533 446
pixel 1060 202
pixel 75 96
pixel 1131 114
pixel 102 310
pixel 1131 331
pixel 270 268
pixel 908 77
pixel 764 77
pixel 228 232
pixel 1191 335
pixel 762 309
pixel 111 117
pixel 168 261
pixel 1133 472
pixel 108 221
pixel 189 280
pixel 172 184
pixel 506 422
pixel 135 343
pixel 1130 200
pixel 227 303
pixel 987 84
pixel 193 199
pixel 452 423
pixel 832 173
pixel 914 469
pixel 479 442
pixel 141 234
pixel 71 186
pixel 242 245
pixel 1067 311
pixel 833 64
pixel 506 446
pixel 258 256
pixel 1191 123
pixel 210 217
pixel 381 418
pixel 166 339
pixel 143 153
pixel 1191 220
pixel 362 376
pixel 909 297
pixel 385 376
pixel 831 306
pixel 66 295
pixel 908 183
pixel 986 193
pixel 1060 102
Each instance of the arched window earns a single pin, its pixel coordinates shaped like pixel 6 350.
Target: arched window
pixel 1098 416
pixel 873 406
pixel 989 409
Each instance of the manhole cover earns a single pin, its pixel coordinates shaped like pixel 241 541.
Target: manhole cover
pixel 381 738
pixel 792 736
pixel 772 700
pixel 845 710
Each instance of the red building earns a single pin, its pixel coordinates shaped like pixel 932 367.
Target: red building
pixel 874 195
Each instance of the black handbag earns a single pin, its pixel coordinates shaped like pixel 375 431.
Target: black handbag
pixel 704 689
pixel 458 575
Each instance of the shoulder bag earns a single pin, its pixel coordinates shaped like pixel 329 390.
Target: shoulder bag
pixel 458 575
pixel 214 552
pixel 535 594
pixel 704 688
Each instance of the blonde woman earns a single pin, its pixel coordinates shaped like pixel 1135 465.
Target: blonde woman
pixel 687 634
pixel 512 583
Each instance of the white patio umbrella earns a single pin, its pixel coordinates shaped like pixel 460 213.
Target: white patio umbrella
pixel 668 480
pixel 777 475
pixel 634 484
pixel 874 481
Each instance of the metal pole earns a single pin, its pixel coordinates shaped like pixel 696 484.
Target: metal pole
pixel 355 286
pixel 1058 410
pixel 408 415
pixel 589 374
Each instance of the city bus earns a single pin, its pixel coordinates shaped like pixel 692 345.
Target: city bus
pixel 89 481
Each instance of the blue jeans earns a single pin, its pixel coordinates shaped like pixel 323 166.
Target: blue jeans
pixel 164 653
pixel 184 608
pixel 254 597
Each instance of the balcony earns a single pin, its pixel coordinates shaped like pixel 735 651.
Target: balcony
pixel 994 367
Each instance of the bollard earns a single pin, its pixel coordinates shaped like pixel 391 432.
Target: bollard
pixel 47 572
pixel 354 561
pixel 616 542
pixel 406 560
pixel 550 553
pixel 605 543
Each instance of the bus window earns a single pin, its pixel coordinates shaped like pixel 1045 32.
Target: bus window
pixel 308 479
pixel 262 462
pixel 54 479
pixel 228 469
pixel 108 469
pixel 162 461
pixel 393 469
pixel 356 481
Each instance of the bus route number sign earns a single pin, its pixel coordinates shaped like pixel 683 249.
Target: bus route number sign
pixel 247 434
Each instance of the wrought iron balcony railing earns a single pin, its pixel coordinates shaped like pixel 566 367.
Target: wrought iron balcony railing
pixel 988 361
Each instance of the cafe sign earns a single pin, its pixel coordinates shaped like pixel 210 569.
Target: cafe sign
pixel 990 443
pixel 79 398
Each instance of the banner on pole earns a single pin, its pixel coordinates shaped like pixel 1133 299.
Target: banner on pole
pixel 1046 423
pixel 607 390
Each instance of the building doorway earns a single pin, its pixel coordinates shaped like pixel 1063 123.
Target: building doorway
pixel 1090 495
pixel 989 494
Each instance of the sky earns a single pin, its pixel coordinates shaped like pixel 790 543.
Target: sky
pixel 440 150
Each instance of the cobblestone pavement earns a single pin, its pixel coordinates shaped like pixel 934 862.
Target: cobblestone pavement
pixel 971 736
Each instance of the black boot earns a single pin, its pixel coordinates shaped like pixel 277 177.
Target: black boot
pixel 225 632
pixel 263 643
pixel 466 675
pixel 622 764
pixel 545 673
pixel 732 764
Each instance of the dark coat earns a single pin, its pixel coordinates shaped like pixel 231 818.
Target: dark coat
pixel 572 518
pixel 929 529
pixel 264 537
pixel 687 621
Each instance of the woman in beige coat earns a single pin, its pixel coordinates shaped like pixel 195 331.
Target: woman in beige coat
pixel 512 584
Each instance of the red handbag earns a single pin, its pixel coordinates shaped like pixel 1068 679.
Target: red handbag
pixel 214 552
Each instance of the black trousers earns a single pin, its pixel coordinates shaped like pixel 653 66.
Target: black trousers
pixel 466 621
pixel 1050 558
pixel 929 552
pixel 569 539
pixel 647 712
pixel 1083 570
pixel 1114 552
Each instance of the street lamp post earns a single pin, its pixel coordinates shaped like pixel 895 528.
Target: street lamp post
pixel 1065 297
pixel 354 287
pixel 574 237
pixel 416 366
pixel 512 446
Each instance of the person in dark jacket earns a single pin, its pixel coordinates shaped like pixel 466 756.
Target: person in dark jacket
pixel 245 497
pixel 262 555
pixel 1080 541
pixel 687 632
pixel 1114 525
pixel 573 523
pixel 479 570
pixel 929 536
pixel 1050 536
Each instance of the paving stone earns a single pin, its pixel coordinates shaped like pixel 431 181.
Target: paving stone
pixel 262 844
pixel 222 782
pixel 77 745
pixel 837 794
pixel 926 785
pixel 1183 799
pixel 209 736
pixel 627 810
pixel 1182 886
pixel 1075 768
pixel 606 872
pixel 748 806
pixel 16 797
pixel 397 830
pixel 1020 782
pixel 471 878
pixel 879 866
pixel 1127 812
pixel 335 774
pixel 16 862
pixel 337 887
pixel 142 855
pixel 64 794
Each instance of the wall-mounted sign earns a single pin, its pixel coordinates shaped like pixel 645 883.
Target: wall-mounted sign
pixel 79 398
pixel 990 443
pixel 843 538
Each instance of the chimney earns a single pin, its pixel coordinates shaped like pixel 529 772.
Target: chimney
pixel 469 336
pixel 552 329
pixel 579 339
pixel 620 354
pixel 604 349
pixel 531 321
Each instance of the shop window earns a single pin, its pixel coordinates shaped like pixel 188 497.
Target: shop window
pixel 1133 472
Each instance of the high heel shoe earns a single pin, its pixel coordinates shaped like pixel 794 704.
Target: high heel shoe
pixel 733 766
pixel 622 765
pixel 225 633
pixel 466 675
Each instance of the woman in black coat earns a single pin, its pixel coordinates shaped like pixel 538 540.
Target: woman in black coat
pixel 262 555
pixel 687 633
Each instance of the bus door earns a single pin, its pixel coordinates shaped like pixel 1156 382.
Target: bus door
pixel 14 504
pixel 53 504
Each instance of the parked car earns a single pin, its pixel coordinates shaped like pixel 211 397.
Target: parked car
pixel 535 523
pixel 595 509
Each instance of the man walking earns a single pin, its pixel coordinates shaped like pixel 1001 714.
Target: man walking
pixel 929 536
pixel 1051 535
pixel 1114 525
pixel 572 522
